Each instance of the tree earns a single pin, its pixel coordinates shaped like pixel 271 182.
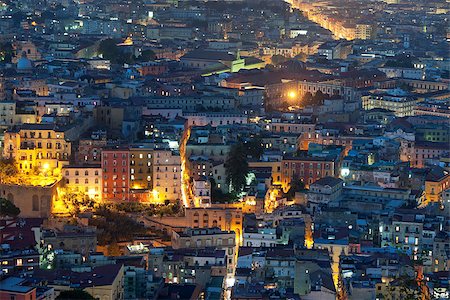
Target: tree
pixel 217 196
pixel 307 99
pixel 254 147
pixel 318 98
pixel 278 59
pixel 8 209
pixel 6 52
pixel 8 168
pixel 236 167
pixel 296 186
pixel 109 50
pixel 147 55
pixel 75 295
pixel 114 250
pixel 400 61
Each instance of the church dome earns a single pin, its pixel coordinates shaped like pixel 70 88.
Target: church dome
pixel 24 64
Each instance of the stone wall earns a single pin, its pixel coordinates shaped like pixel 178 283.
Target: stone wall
pixel 33 201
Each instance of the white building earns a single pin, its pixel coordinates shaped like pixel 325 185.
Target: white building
pixel 262 237
pixel 215 118
pixel 396 100
pixel 324 191
pixel 86 179
pixel 202 191
pixel 166 175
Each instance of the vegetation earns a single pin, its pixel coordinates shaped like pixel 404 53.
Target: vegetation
pixel 254 147
pixel 9 174
pixel 109 50
pixel 8 209
pixel 406 287
pixel 8 169
pixel 114 227
pixel 166 209
pixel 236 167
pixel 75 201
pixel 217 196
pixel 75 295
pixel 400 61
pixel 6 52
pixel 314 100
pixel 146 55
pixel 278 59
pixel 296 186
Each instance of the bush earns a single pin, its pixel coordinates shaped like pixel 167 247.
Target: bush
pixel 7 208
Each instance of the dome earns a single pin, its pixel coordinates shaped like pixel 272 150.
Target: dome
pixel 24 63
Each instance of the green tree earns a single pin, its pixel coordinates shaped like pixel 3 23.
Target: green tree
pixel 147 55
pixel 108 48
pixel 217 196
pixel 7 208
pixel 278 59
pixel 318 98
pixel 400 61
pixel 236 167
pixel 75 295
pixel 8 169
pixel 6 52
pixel 307 99
pixel 296 186
pixel 254 147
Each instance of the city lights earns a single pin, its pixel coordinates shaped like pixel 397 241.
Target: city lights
pixel 288 149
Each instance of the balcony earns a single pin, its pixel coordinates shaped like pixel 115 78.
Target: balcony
pixel 26 146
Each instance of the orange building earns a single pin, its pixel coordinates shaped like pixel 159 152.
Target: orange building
pixel 437 181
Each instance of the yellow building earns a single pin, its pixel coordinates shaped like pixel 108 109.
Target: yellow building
pixel 206 238
pixel 166 176
pixel 103 282
pixel 37 146
pixel 435 183
pixel 141 167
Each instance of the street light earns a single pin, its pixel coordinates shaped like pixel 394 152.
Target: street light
pixel 292 94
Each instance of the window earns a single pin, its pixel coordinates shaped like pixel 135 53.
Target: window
pixel 35 203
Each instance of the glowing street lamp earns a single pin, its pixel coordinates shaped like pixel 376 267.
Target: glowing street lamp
pixel 292 94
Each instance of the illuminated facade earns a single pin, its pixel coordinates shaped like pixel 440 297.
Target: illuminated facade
pixel 86 179
pixel 435 186
pixel 307 170
pixel 141 170
pixel 401 105
pixel 37 145
pixel 167 175
pixel 116 174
